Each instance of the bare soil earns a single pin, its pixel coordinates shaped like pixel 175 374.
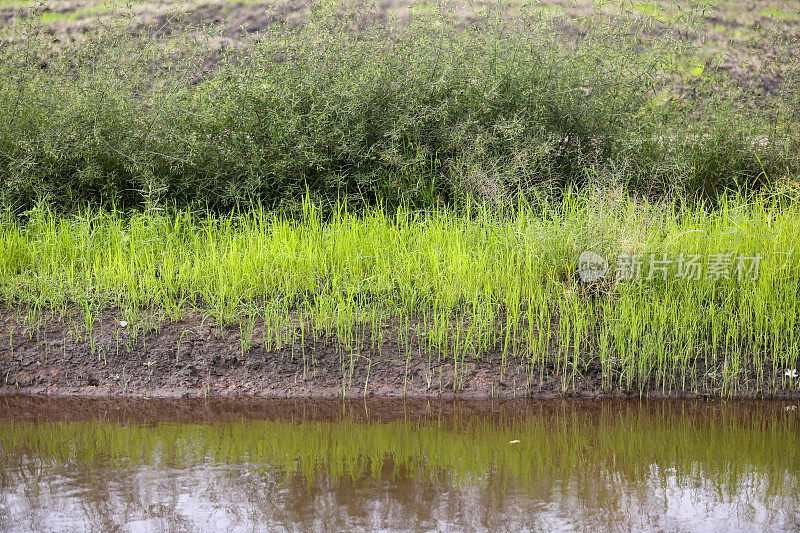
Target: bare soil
pixel 196 358
pixel 754 42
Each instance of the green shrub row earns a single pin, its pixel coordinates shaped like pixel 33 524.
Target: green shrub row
pixel 423 112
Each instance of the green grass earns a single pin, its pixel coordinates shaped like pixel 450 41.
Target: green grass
pixel 455 286
pixel 89 12
pixel 778 14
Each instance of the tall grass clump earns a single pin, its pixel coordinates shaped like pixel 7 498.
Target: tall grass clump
pixel 426 111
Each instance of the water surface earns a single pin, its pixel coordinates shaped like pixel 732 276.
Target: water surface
pixel 394 465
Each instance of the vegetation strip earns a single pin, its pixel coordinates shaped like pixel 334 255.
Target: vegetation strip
pixel 420 110
pixel 692 301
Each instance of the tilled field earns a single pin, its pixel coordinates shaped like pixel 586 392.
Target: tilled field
pixel 753 42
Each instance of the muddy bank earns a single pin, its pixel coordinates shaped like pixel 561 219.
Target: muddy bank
pixel 194 357
pixel 197 358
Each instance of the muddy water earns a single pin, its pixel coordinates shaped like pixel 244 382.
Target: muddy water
pixel 393 465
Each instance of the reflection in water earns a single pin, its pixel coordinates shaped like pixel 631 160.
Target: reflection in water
pixel 578 465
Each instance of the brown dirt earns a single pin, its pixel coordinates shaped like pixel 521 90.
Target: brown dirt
pixel 196 358
pixel 753 46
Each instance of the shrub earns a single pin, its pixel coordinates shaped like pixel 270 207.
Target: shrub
pixel 431 110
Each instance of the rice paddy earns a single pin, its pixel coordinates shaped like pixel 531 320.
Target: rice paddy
pixel 691 300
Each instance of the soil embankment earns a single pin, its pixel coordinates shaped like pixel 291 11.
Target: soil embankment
pixel 195 358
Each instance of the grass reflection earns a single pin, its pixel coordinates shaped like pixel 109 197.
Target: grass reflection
pixel 586 448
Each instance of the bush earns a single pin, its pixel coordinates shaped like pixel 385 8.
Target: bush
pixel 423 112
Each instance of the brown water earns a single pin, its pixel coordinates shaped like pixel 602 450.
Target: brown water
pixel 392 465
